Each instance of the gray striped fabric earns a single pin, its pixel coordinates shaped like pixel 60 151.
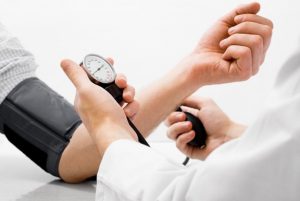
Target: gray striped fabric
pixel 16 63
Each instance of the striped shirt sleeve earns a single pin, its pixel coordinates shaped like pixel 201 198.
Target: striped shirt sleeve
pixel 16 63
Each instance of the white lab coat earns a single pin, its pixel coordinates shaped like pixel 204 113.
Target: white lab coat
pixel 262 165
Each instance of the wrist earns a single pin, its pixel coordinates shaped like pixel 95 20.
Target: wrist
pixel 108 132
pixel 235 130
pixel 192 70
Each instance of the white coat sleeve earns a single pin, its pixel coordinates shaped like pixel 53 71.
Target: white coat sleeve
pixel 131 171
pixel 263 164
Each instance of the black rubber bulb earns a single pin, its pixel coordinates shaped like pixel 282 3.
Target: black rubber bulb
pixel 200 133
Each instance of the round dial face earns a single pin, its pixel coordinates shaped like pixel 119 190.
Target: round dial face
pixel 99 69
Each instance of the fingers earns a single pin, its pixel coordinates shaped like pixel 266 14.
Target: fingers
pixel 243 64
pixel 183 140
pixel 193 111
pixel 76 74
pixel 253 18
pixel 254 42
pixel 253 32
pixel 175 117
pixel 197 102
pixel 254 28
pixel 131 109
pixel 192 101
pixel 129 91
pixel 251 8
pixel 128 94
pixel 178 128
pixel 121 81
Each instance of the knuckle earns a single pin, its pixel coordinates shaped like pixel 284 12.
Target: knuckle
pixel 178 144
pixel 268 30
pixel 246 74
pixel 244 52
pixel 169 134
pixel 271 24
pixel 177 128
pixel 244 25
pixel 83 90
pixel 128 112
pixel 167 122
pixel 257 40
pixel 86 90
pixel 243 17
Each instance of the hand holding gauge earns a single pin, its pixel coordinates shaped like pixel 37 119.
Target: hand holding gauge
pixel 101 73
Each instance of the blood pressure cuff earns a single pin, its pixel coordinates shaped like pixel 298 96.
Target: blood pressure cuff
pixel 39 122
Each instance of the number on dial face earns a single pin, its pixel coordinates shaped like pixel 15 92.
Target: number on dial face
pixel 99 68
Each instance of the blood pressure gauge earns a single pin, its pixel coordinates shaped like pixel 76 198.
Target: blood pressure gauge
pixel 99 69
pixel 102 73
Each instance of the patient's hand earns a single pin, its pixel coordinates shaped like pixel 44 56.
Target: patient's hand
pixel 232 49
pixel 218 126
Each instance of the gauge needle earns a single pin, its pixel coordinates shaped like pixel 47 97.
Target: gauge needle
pixel 98 69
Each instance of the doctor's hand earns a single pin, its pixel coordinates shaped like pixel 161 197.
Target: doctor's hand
pixel 232 49
pixel 101 114
pixel 218 126
pixel 129 104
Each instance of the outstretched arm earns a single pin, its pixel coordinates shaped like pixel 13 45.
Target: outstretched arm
pixel 232 50
pixel 127 163
pixel 220 56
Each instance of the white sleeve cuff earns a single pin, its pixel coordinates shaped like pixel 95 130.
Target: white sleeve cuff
pixel 128 167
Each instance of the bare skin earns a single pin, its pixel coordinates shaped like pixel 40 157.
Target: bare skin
pixel 80 159
pixel 219 127
pixel 232 50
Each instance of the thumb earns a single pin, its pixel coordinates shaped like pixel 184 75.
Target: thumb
pixel 75 73
pixel 251 8
pixel 193 111
pixel 193 101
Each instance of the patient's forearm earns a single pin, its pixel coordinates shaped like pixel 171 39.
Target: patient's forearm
pixel 163 96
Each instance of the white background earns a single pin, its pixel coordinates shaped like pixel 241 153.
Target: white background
pixel 146 39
